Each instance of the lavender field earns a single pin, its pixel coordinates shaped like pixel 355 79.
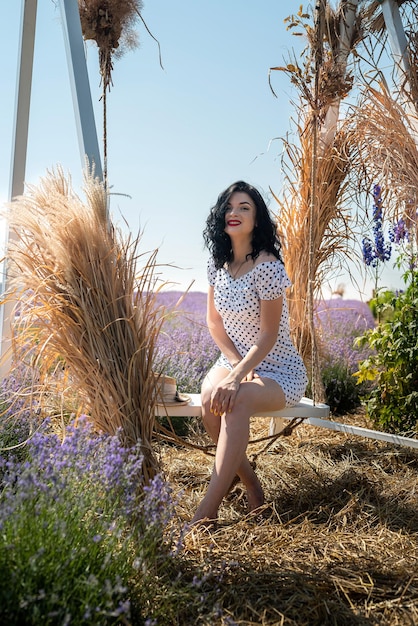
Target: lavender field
pixel 339 322
pixel 185 348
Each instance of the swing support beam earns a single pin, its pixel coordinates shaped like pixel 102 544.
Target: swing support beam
pixel 84 117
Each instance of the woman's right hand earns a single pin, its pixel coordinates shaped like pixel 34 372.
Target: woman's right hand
pixel 223 395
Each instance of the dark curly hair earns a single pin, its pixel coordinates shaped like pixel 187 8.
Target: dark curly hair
pixel 265 235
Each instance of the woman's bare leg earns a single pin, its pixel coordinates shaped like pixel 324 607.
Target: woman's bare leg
pixel 231 432
pixel 212 425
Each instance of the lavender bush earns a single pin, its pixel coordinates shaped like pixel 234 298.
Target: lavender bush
pixel 77 530
pixel 15 423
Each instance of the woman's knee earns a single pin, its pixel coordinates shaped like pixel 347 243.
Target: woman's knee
pixel 205 397
pixel 243 404
pixel 259 396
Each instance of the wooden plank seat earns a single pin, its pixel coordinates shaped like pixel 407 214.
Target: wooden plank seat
pixel 303 409
pixel 312 414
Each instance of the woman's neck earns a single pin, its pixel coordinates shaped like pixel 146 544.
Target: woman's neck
pixel 241 252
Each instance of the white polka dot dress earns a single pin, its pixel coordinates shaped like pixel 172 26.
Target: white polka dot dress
pixel 238 303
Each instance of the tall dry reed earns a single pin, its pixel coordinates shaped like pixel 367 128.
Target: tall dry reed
pixel 84 305
pixel 331 235
pixel 387 151
pixel 313 219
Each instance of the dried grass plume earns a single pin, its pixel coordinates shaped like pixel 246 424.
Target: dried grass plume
pixel 83 304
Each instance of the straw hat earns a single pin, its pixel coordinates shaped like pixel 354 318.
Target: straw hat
pixel 167 392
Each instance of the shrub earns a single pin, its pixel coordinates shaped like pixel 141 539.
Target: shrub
pixel 342 392
pixel 393 404
pixel 381 304
pixel 77 528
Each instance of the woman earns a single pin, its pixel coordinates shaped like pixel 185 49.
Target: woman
pixel 259 368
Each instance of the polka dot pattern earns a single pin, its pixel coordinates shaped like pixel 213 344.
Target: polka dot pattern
pixel 238 303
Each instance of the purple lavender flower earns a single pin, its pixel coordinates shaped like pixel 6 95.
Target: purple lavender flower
pixel 78 506
pixel 399 232
pixel 339 323
pixel 376 251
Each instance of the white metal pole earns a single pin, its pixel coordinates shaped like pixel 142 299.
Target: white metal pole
pixel 80 86
pixel 18 160
pixel 396 34
pixel 23 94
pixel 399 47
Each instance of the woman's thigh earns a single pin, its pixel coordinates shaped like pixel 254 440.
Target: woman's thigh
pixel 260 394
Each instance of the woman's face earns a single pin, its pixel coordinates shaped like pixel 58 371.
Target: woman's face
pixel 240 215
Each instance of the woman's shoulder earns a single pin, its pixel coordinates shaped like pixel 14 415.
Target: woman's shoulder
pixel 270 277
pixel 266 257
pixel 268 265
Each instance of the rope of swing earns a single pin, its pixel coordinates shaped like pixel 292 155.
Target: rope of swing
pixel 169 436
pixel 318 58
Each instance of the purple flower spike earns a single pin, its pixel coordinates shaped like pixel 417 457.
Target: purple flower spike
pixel 377 251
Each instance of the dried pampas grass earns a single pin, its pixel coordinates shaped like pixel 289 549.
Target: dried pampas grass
pixel 332 234
pixel 387 151
pixel 84 309
pixel 111 24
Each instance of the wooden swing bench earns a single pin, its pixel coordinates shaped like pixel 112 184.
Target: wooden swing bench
pixel 314 414
pixel 306 409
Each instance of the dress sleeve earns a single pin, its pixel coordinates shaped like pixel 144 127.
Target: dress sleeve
pixel 271 280
pixel 211 271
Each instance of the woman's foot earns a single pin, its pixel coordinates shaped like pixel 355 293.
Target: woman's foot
pixel 255 497
pixel 204 515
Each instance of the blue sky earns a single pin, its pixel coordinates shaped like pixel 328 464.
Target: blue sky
pixel 176 136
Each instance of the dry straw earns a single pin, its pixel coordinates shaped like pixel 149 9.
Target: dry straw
pixel 84 305
pixel 337 543
pixel 313 218
pixel 387 139
pixel 332 233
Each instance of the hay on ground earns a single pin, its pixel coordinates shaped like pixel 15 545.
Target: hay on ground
pixel 339 540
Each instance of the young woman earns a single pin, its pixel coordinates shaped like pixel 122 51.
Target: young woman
pixel 259 368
